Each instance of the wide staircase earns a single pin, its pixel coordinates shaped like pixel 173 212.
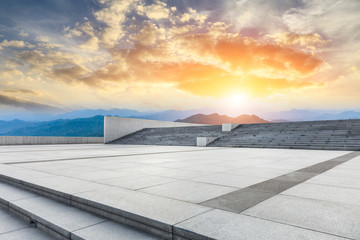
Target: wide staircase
pixel 171 136
pixel 328 135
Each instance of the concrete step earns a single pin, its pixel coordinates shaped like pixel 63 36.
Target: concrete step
pixel 61 220
pixel 13 227
pixel 145 212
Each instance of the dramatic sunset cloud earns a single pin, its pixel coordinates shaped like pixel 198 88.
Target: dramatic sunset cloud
pixel 179 54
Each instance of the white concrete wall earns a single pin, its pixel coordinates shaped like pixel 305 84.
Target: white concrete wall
pixel 117 127
pixel 25 140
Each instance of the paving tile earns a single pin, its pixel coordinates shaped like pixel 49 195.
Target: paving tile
pixel 349 173
pixel 322 216
pixel 260 172
pixel 229 180
pixel 27 174
pixel 10 222
pixel 155 208
pixel 325 179
pixel 111 231
pixel 321 167
pixel 275 186
pixel 9 193
pixel 239 200
pixel 326 193
pixel 66 185
pixel 183 174
pixel 136 181
pixel 102 174
pixel 209 168
pixel 189 191
pixel 62 217
pixel 297 176
pixel 217 224
pixel 26 234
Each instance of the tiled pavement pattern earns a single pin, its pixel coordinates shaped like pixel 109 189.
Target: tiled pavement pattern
pixel 188 192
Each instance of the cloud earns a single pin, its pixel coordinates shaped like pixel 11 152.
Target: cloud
pixel 23 34
pixel 25 104
pixel 149 34
pixel 44 39
pixel 15 44
pixel 208 64
pixel 261 48
pixel 69 74
pixel 13 63
pixel 288 38
pixel 92 44
pixel 156 11
pixel 20 91
pixel 113 15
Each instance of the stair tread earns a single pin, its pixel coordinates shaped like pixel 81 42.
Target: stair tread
pixel 64 219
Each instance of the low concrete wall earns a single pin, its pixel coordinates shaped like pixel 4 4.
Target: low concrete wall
pixel 22 140
pixel 117 127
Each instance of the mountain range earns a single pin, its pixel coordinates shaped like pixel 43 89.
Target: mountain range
pixel 168 115
pixel 80 127
pixel 309 115
pixel 217 119
pixel 89 122
pixel 94 126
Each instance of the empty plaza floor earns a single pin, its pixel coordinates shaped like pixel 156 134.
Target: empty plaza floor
pixel 180 193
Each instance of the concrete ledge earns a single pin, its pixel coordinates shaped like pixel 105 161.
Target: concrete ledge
pixel 117 127
pixel 204 141
pixel 69 223
pixel 228 127
pixel 157 228
pixel 28 140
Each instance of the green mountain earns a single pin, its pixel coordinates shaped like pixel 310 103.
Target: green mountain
pixel 80 127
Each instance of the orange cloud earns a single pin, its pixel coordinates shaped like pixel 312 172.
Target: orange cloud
pixel 290 38
pixel 210 66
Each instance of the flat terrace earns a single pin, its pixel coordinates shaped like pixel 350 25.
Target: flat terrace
pixel 168 192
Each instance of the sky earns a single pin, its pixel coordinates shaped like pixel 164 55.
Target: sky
pixel 242 56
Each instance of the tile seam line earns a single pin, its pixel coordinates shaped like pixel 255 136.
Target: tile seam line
pixel 348 157
pixel 19 229
pixel 318 200
pixel 327 185
pixel 109 156
pixel 91 225
pixel 314 230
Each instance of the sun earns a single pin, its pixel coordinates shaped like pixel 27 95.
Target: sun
pixel 236 99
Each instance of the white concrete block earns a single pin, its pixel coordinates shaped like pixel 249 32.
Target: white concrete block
pixel 204 141
pixel 228 127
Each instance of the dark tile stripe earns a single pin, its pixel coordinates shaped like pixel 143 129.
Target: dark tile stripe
pixel 248 197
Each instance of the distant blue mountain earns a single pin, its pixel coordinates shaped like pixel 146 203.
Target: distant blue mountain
pixel 7 126
pixel 291 115
pixel 169 115
pixel 85 113
pixel 80 127
pixel 172 115
pixel 343 115
pixel 310 115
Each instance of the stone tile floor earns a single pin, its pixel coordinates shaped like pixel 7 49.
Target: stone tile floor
pixel 223 193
